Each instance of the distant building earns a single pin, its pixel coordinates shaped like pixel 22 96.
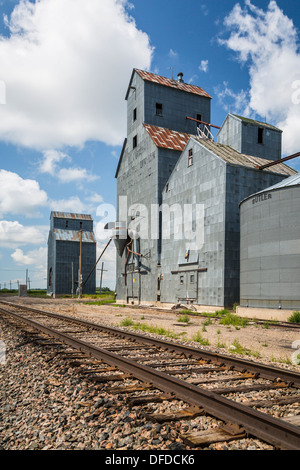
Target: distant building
pixel 170 163
pixel 66 230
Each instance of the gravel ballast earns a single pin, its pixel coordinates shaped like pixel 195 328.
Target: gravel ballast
pixel 47 405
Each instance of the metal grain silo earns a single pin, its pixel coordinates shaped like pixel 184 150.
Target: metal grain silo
pixel 270 247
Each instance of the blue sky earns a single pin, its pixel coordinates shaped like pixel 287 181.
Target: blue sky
pixel 64 70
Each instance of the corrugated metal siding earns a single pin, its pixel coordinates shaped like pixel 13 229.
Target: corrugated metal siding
pixel 291 181
pixel 73 236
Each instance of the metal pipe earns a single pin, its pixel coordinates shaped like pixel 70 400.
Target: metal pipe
pixel 96 262
pixel 276 162
pixel 203 122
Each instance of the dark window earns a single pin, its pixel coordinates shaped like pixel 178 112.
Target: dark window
pixel 192 279
pixel 67 223
pixel 50 277
pixel 199 118
pixel 159 109
pixel 260 135
pixel 190 159
pixel 134 141
pixel 181 279
pixel 134 114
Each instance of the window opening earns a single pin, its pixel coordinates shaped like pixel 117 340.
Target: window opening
pixel 260 138
pixel 190 157
pixel 199 118
pixel 159 109
pixel 134 114
pixel 134 141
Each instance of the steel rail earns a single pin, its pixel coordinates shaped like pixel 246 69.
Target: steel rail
pixel 279 433
pixel 263 370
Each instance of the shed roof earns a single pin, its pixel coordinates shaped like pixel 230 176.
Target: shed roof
pixel 229 155
pixel 166 138
pixel 73 236
pixel 69 215
pixel 152 77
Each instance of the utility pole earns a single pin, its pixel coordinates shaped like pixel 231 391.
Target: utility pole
pixel 80 268
pixel 101 276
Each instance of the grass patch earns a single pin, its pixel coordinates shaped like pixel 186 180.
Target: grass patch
pixel 101 302
pixel 237 348
pixel 295 318
pixel 148 328
pixel 198 338
pixel 234 320
pixel 184 319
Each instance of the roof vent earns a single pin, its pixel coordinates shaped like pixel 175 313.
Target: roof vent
pixel 180 75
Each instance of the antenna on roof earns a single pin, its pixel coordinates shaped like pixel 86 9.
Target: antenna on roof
pixel 172 68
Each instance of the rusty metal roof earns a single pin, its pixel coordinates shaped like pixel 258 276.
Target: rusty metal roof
pixel 229 155
pixel 152 77
pixel 69 215
pixel 73 236
pixel 167 138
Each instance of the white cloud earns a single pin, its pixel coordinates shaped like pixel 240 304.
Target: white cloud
pixel 233 102
pixel 95 198
pixel 50 164
pixel 66 67
pixel 50 161
pixel 13 234
pixel 173 54
pixel 203 67
pixel 69 175
pixel 20 196
pixel 72 204
pixel 267 42
pixel 37 257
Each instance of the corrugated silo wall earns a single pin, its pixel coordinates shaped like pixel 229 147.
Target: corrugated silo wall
pixel 68 252
pixel 270 249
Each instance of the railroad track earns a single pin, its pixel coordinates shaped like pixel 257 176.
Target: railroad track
pixel 147 371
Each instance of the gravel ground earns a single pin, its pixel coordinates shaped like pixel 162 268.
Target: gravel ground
pixel 45 405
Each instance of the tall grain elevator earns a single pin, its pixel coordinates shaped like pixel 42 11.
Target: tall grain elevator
pixel 170 163
pixel 71 239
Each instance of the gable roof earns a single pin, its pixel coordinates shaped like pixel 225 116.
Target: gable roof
pixel 152 77
pixel 166 138
pixel 231 156
pixel 256 123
